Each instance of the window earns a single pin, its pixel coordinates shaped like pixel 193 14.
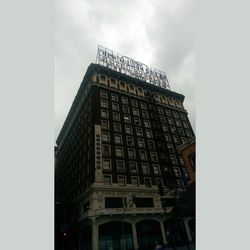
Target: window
pixel 135 112
pixel 173 130
pixel 158 181
pixel 104 103
pixel 143 105
pixel 183 117
pixel 106 149
pixel 178 123
pixel 162 119
pixel 183 140
pixel 107 180
pixel 118 139
pixel 163 156
pixel 134 103
pixel 167 111
pixel 144 202
pixel 117 127
pixel 104 113
pixel 131 153
pixel 135 181
pixel 151 145
pixel 188 133
pixel 186 173
pixel 170 121
pixel 180 183
pixel 175 115
pixel 185 125
pixel 119 151
pixel 181 160
pixel 152 107
pixel 113 202
pixel 145 168
pixel 128 129
pixel 156 169
pixel 104 94
pixel 125 109
pixel 144 114
pixel 147 124
pixel 137 121
pixel 105 137
pixel 143 155
pixel 153 156
pixel 130 141
pixel 105 125
pixel 173 159
pixel 124 100
pixel 113 83
pixel 170 148
pixel 160 110
pixel 133 167
pixel 103 78
pixel 147 181
pixel 176 140
pixel 141 143
pixel 161 146
pixel 127 119
pixel 177 172
pixel 138 131
pixel 120 166
pixel 116 116
pixel 121 180
pixel 115 106
pixel 114 97
pixel 164 127
pixel 181 132
pixel 123 85
pixel 106 164
pixel 149 133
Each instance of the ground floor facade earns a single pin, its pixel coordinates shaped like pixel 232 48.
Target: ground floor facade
pixel 132 232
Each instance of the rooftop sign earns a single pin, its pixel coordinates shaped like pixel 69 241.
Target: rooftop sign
pixel 130 67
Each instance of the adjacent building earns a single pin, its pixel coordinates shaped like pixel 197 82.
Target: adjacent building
pixel 118 142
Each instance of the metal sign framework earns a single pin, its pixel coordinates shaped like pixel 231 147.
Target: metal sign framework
pixel 130 67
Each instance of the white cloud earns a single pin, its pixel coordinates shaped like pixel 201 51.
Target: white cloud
pixel 159 33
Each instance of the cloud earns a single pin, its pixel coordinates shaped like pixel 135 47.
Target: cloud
pixel 159 33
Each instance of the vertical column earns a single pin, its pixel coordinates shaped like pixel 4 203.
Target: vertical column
pixel 187 229
pixel 135 241
pixel 163 233
pixel 95 236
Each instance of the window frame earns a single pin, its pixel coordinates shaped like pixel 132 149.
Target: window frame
pixel 150 181
pixel 122 151
pixel 118 169
pixel 130 166
pixel 119 183
pixel 116 136
pixel 134 153
pixel 108 136
pixel 105 183
pixel 110 164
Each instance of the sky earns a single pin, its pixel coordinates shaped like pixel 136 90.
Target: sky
pixel 159 33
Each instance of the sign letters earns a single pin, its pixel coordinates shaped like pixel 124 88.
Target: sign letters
pixel 128 66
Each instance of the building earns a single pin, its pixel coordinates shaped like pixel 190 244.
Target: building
pixel 118 142
pixel 187 151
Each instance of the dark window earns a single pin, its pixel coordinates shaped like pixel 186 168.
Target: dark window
pixel 114 97
pixel 130 141
pixel 134 103
pixel 144 202
pixel 113 202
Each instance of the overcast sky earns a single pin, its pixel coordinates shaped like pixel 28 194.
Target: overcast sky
pixel 159 33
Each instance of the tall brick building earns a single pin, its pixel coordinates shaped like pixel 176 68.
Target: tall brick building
pixel 119 141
